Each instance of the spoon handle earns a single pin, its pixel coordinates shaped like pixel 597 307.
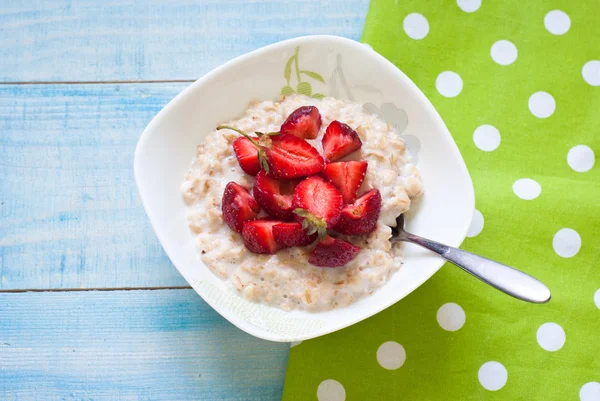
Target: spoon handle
pixel 505 278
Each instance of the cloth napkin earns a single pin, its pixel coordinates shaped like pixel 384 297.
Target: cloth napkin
pixel 518 85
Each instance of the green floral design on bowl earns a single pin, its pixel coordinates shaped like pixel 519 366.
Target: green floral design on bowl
pixel 302 87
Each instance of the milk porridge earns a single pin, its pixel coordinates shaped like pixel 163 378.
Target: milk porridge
pixel 286 279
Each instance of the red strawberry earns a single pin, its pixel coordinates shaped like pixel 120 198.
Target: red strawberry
pixel 284 155
pixel 320 201
pixel 304 123
pixel 258 236
pixel 332 252
pixel 346 176
pixel 238 206
pixel 292 157
pixel 247 155
pixel 361 216
pixel 274 196
pixel 292 234
pixel 340 140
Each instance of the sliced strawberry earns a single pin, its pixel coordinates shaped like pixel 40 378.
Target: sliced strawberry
pixel 320 199
pixel 275 196
pixel 346 176
pixel 247 155
pixel 292 234
pixel 361 216
pixel 332 252
pixel 284 155
pixel 238 206
pixel 292 157
pixel 258 236
pixel 304 123
pixel 339 140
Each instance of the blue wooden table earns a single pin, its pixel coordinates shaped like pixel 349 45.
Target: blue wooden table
pixel 90 306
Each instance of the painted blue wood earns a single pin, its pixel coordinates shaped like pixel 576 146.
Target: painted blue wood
pixel 130 345
pixel 91 40
pixel 70 215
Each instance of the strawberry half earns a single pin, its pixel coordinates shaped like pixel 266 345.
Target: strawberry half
pixel 319 201
pixel 292 234
pixel 332 252
pixel 360 217
pixel 284 156
pixel 304 122
pixel 346 176
pixel 292 157
pixel 340 140
pixel 258 236
pixel 238 206
pixel 247 155
pixel 274 196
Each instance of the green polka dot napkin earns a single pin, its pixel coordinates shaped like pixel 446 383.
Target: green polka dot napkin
pixel 518 85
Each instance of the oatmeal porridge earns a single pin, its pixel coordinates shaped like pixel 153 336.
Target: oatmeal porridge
pixel 303 276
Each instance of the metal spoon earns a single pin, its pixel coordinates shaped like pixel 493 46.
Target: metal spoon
pixel 508 280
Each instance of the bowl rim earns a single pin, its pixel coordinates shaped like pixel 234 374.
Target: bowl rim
pixel 241 323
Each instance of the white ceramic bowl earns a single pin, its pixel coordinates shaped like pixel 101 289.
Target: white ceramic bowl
pixel 350 71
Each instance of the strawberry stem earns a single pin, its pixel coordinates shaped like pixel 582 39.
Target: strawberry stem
pixel 262 157
pixel 260 134
pixel 311 223
pixel 239 131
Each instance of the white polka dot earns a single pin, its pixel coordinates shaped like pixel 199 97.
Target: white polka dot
pixel 527 189
pixel 469 6
pixel 557 22
pixel 292 345
pixel 591 72
pixel 590 392
pixel 504 52
pixel 542 104
pixel 451 317
pixel 581 158
pixel 331 390
pixel 550 336
pixel 368 46
pixel 566 242
pixel 449 84
pixel 597 298
pixel 416 26
pixel 476 224
pixel 492 375
pixel 486 138
pixel 391 355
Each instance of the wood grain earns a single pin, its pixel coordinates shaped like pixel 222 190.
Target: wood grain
pixel 70 215
pixel 91 40
pixel 130 345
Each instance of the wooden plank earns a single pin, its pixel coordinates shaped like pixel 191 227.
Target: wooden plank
pixel 90 40
pixel 70 215
pixel 130 345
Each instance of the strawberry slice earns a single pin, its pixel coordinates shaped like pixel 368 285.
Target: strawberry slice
pixel 332 252
pixel 320 203
pixel 292 157
pixel 360 217
pixel 258 236
pixel 292 234
pixel 247 155
pixel 347 177
pixel 238 206
pixel 284 155
pixel 304 122
pixel 274 196
pixel 340 140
